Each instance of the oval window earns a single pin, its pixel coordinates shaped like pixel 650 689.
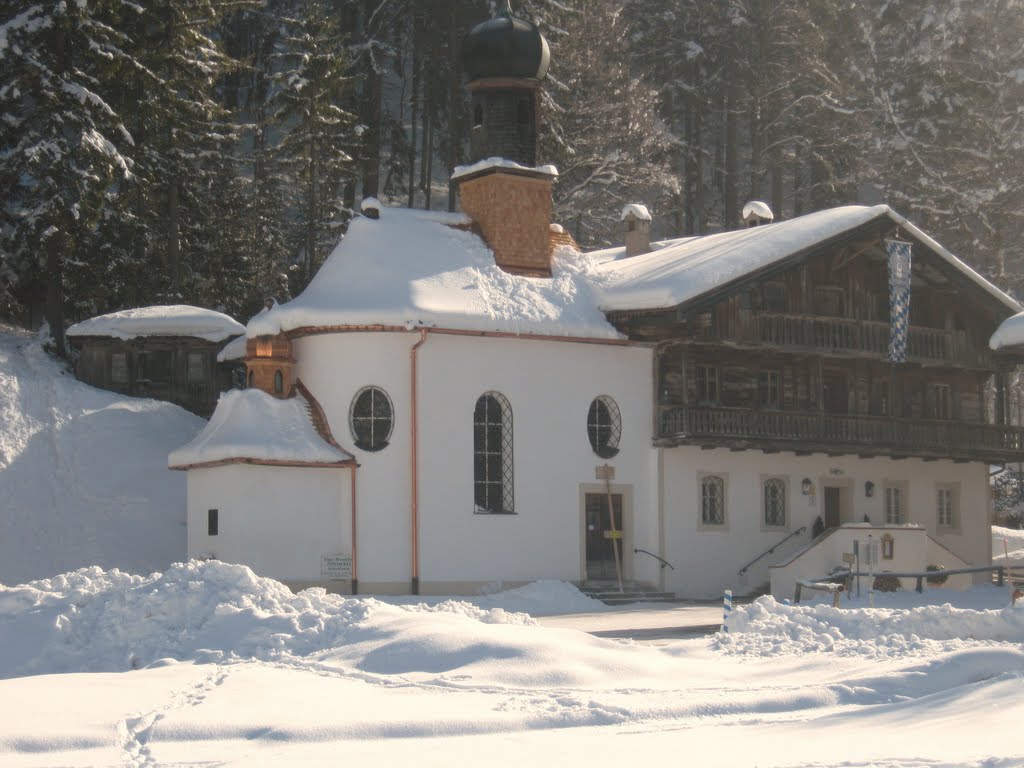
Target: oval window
pixel 604 426
pixel 371 418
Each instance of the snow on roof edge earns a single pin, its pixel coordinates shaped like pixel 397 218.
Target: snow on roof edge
pixel 160 320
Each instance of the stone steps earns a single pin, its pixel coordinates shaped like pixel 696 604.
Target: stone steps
pixel 631 593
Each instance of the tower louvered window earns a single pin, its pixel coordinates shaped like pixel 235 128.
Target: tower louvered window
pixel 492 455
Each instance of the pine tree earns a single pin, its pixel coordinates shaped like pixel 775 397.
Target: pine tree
pixel 318 136
pixel 62 145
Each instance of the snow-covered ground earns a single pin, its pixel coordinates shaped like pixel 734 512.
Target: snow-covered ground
pixel 207 663
pixel 83 472
pixel 210 664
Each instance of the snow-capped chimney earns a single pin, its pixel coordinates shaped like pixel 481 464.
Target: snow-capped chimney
pixel 638 228
pixel 756 212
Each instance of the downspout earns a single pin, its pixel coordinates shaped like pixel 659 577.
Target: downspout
pixel 414 467
pixel 355 548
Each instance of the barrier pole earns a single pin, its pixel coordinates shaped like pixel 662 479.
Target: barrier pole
pixel 726 609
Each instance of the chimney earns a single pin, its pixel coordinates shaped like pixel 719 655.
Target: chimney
pixel 756 212
pixel 638 229
pixel 503 191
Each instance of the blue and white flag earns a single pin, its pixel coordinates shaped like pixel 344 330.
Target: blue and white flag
pixel 899 298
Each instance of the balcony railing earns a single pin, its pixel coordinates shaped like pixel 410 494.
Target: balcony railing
pixel 827 432
pixel 844 336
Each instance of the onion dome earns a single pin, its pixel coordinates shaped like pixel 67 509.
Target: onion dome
pixel 505 47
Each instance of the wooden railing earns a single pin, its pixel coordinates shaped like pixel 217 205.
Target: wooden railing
pixel 802 430
pixel 841 335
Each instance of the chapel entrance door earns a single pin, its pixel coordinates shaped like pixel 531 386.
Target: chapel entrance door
pixel 602 534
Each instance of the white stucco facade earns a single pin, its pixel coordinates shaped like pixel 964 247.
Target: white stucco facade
pixel 280 521
pixel 708 558
pixel 549 386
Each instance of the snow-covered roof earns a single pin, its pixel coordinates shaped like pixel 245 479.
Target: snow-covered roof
pixel 679 271
pixel 172 320
pixel 233 350
pixel 250 425
pixel 637 210
pixel 501 162
pixel 413 268
pixel 1009 334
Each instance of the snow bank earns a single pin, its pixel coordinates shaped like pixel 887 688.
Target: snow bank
pixel 173 320
pixel 1014 545
pixel 94 620
pixel 250 424
pixel 767 627
pixel 83 472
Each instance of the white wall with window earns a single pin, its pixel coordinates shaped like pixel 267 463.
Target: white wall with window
pixel 277 520
pixel 549 389
pixel 761 489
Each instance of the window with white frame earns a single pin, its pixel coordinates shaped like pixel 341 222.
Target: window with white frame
pixel 893 505
pixel 712 500
pixel 774 502
pixel 492 455
pixel 945 506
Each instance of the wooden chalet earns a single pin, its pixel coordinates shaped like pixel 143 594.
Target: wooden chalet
pixel 794 356
pixel 166 353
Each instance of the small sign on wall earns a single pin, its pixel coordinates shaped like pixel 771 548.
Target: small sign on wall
pixel 604 472
pixel 336 567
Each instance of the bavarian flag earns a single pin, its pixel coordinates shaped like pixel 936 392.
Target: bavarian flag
pixel 899 298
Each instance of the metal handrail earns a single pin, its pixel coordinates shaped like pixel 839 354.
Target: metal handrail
pixel 797 532
pixel 659 559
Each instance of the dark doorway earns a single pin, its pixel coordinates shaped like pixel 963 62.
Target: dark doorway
pixel 831 507
pixel 600 543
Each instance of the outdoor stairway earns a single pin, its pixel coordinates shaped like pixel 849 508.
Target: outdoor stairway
pixel 609 594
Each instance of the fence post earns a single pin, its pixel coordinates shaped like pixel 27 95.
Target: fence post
pixel 726 609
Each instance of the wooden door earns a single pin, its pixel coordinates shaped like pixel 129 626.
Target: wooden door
pixel 831 507
pixel 598 535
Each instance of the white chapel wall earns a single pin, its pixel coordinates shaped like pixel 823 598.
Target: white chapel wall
pixel 277 520
pixel 550 386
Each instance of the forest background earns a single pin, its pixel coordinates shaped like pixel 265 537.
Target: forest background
pixel 211 152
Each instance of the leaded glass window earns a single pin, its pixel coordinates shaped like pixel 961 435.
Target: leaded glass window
pixel 712 500
pixel 371 418
pixel 604 426
pixel 775 502
pixel 492 454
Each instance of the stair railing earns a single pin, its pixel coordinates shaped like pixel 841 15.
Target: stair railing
pixel 659 559
pixel 775 546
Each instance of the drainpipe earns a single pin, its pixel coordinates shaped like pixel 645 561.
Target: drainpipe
pixel 414 467
pixel 355 549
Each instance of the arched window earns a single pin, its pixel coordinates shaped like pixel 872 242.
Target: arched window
pixel 478 115
pixel 371 418
pixel 604 426
pixel 492 454
pixel 278 383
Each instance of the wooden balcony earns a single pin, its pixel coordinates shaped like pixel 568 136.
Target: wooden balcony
pixel 739 428
pixel 841 336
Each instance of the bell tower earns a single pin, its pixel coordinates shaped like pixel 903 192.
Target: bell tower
pixel 503 190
